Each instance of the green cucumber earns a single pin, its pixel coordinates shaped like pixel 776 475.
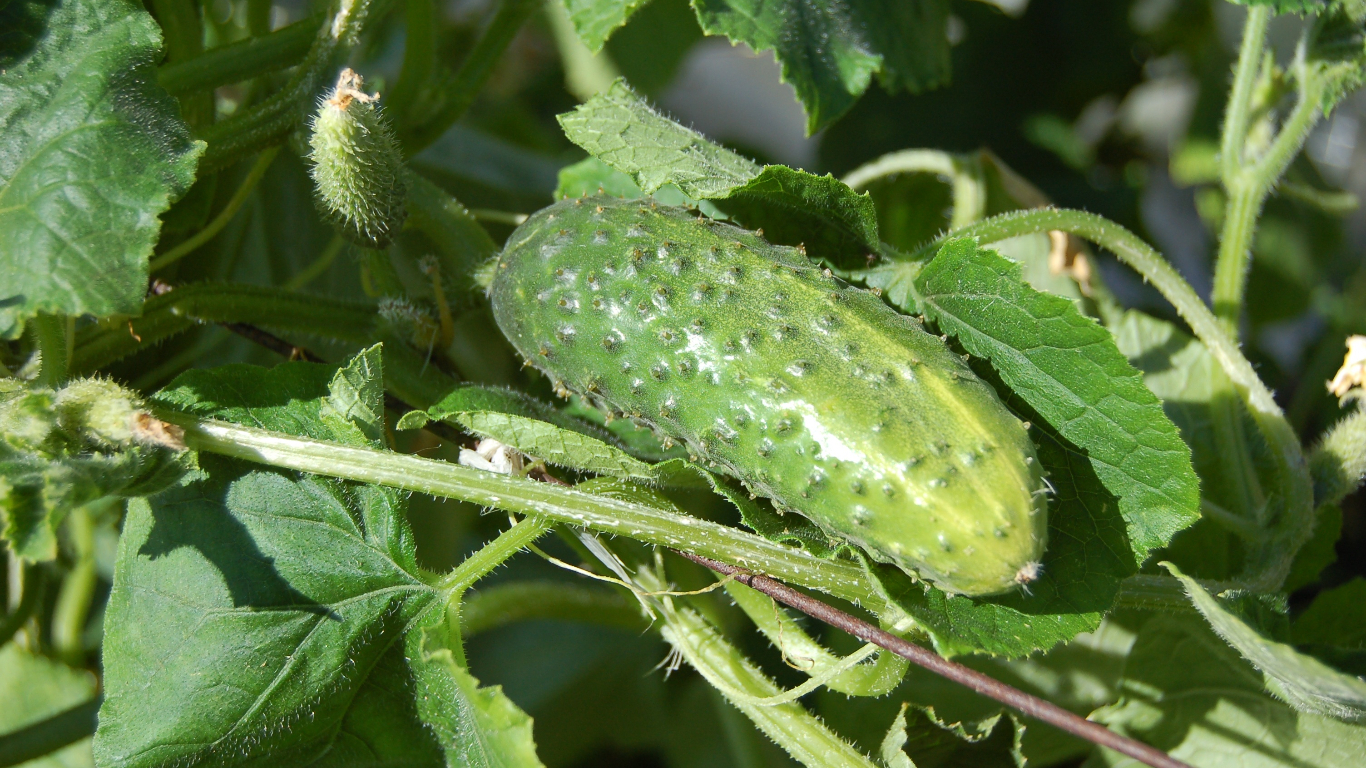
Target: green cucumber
pixel 812 393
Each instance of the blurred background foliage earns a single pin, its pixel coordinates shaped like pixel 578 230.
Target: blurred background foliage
pixel 1108 106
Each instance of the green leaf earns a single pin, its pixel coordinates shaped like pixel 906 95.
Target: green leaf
pixel 1067 368
pixel 477 727
pixel 791 206
pixel 1301 680
pixel 1337 49
pixel 254 612
pixel 1191 695
pixel 932 742
pixel 355 401
pixel 1286 6
pixel 1336 617
pixel 35 688
pixel 620 129
pixel 1245 530
pixel 591 176
pixel 795 207
pixel 596 20
pixel 829 51
pixel 92 151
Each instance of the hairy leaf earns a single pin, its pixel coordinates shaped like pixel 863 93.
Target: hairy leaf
pixel 932 742
pixel 620 129
pixel 905 42
pixel 1190 694
pixel 320 575
pixel 477 727
pixel 1246 522
pixel 791 206
pixel 596 20
pixel 91 152
pixel 1301 680
pixel 1067 368
pixel 1337 48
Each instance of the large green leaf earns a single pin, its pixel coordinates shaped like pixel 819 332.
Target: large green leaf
pixel 1188 693
pixel 793 207
pixel 478 727
pixel 830 49
pixel 253 609
pixel 1303 681
pixel 92 151
pixel 1067 368
pixel 1247 524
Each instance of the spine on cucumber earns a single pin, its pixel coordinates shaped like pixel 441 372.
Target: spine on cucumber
pixel 814 394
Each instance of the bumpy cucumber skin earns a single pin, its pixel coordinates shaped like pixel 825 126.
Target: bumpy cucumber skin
pixel 814 394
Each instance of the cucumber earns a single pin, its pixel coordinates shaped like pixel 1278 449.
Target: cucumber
pixel 812 393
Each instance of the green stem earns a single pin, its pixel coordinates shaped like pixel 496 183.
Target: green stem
pixel 47 736
pixel 319 266
pixel 179 310
pixel 494 554
pixel 49 331
pixel 586 73
pixel 78 590
pixel 1248 188
pixel 1238 111
pixel 789 725
pixel 519 601
pixel 242 60
pixel 473 73
pixel 481 564
pixel 184 34
pixel 566 505
pixel 419 56
pixel 258 169
pixel 1235 250
pixel 969 192
pixel 30 594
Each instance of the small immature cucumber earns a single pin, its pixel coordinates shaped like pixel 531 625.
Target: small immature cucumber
pixel 812 393
pixel 356 165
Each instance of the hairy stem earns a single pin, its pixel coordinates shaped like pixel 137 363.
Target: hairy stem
pixel 178 310
pixel 1238 111
pixel 566 505
pixel 242 60
pixel 1023 702
pixel 1247 191
pixel 788 724
pixel 269 122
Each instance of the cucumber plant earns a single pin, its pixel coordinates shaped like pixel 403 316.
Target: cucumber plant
pixel 420 419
